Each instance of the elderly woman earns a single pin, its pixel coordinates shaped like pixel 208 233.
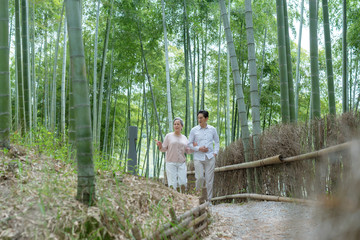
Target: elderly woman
pixel 175 146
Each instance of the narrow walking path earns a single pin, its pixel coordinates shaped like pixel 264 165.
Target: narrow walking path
pixel 263 220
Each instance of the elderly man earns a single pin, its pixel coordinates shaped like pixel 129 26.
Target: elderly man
pixel 205 151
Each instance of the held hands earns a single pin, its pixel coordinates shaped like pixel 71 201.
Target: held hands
pixel 203 149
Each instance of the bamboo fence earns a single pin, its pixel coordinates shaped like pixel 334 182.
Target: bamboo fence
pixel 278 159
pixel 299 176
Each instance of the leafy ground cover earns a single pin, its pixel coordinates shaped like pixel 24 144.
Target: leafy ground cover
pixel 37 199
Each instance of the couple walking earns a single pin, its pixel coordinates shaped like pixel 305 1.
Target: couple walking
pixel 203 142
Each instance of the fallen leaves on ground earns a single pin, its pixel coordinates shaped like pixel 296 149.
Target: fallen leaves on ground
pixel 37 201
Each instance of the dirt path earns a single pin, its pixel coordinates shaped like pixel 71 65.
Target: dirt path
pixel 263 220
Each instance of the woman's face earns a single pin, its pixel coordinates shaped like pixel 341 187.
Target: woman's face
pixel 177 125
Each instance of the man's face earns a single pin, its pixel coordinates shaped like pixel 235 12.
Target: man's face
pixel 201 119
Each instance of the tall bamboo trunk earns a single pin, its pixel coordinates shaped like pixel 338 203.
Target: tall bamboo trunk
pixel 19 67
pixel 218 82
pixel 254 96
pixel 108 104
pixel 227 111
pixel 112 147
pixel 33 73
pixel 168 92
pixel 245 134
pixel 284 89
pixel 63 86
pixel 53 92
pixel 26 65
pixel 94 118
pixel 101 89
pixel 329 67
pixel 150 86
pixel 86 176
pixel 187 107
pixel 345 104
pixel 289 66
pixel 298 62
pixel 262 63
pixel 46 84
pixel 204 47
pixel 5 109
pixel 314 62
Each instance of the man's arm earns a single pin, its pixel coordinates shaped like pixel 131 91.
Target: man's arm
pixel 191 141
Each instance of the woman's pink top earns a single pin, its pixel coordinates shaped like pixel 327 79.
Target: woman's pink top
pixel 175 147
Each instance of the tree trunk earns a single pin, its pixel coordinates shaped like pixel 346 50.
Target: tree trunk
pixel 245 134
pixel 227 111
pixel 33 73
pixel 94 118
pixel 345 104
pixel 19 67
pixel 192 73
pixel 289 66
pixel 168 92
pixel 314 62
pixel 108 104
pixel 187 107
pixel 149 80
pixel 5 109
pixel 113 132
pixel 284 90
pixel 46 84
pixel 26 65
pixel 86 176
pixel 298 63
pixel 53 96
pixel 262 63
pixel 63 81
pixel 255 101
pixel 218 82
pixel 329 67
pixel 108 26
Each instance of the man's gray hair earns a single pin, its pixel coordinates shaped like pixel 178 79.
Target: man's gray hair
pixel 181 121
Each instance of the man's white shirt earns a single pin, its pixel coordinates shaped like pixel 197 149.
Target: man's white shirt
pixel 207 137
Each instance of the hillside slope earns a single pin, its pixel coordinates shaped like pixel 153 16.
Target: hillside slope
pixel 37 201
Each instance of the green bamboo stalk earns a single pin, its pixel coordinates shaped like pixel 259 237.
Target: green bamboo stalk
pixel 345 104
pixel 329 67
pixel 26 65
pixel 314 61
pixel 86 176
pixel 289 66
pixel 19 66
pixel 5 120
pixel 284 90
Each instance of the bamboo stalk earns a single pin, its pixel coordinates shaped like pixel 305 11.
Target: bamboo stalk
pixel 320 153
pixel 279 159
pixel 266 197
pixel 186 215
pixel 198 220
pixel 185 235
pixel 202 227
pixel 176 228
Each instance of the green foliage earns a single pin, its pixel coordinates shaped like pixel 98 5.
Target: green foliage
pixel 45 142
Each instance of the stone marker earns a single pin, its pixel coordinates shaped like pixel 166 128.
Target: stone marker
pixel 132 162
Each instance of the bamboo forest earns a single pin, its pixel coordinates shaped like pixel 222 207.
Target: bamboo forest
pixel 91 91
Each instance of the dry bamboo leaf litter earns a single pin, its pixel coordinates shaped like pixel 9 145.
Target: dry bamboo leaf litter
pixel 37 201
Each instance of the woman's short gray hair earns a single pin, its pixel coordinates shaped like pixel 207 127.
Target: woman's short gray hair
pixel 181 121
